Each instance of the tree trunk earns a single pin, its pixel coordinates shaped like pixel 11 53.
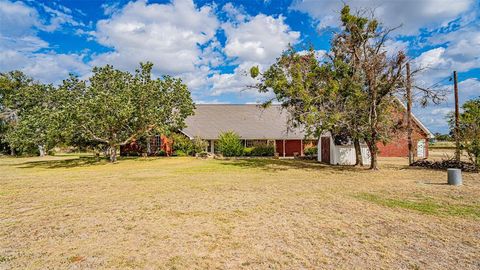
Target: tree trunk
pixel 106 151
pixel 373 126
pixel 113 153
pixel 372 147
pixel 409 116
pixel 358 153
pixel 12 151
pixel 41 150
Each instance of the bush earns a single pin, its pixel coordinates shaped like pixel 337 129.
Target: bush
pixel 229 144
pixel 311 151
pixel 199 145
pixel 248 151
pixel 180 153
pixel 182 145
pixel 263 151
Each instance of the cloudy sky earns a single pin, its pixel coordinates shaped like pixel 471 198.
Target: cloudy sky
pixel 211 44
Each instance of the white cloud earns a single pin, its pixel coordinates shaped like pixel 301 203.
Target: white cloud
pixel 260 39
pixel 435 116
pixel 17 19
pixel 460 51
pixel 45 67
pixel 169 35
pixel 20 43
pixel 251 41
pixel 413 15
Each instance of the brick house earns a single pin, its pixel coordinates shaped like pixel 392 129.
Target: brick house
pixel 269 126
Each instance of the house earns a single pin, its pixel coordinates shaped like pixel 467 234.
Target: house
pixel 255 125
pixel 269 126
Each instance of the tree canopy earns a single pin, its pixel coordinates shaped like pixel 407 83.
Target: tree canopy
pixel 111 108
pixel 351 93
pixel 469 129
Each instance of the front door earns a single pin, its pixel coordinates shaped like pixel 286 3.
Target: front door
pixel 325 148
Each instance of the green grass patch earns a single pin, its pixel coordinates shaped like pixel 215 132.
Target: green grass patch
pixel 424 205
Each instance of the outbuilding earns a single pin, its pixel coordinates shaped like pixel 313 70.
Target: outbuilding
pixel 344 154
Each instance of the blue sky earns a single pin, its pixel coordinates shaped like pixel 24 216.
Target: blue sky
pixel 211 44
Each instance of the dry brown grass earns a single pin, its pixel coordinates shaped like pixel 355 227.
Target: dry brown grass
pixel 184 213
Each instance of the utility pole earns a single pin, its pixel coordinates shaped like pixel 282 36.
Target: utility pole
pixel 457 129
pixel 409 116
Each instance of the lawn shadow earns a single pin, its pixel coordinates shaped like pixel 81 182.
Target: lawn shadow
pixel 286 164
pixel 63 163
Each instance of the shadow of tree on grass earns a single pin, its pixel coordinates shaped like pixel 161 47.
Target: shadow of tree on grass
pixel 64 163
pixel 287 164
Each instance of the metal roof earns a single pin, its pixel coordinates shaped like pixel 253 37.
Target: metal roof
pixel 249 121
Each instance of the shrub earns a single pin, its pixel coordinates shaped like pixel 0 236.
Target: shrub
pixel 182 145
pixel 229 144
pixel 248 151
pixel 180 153
pixel 263 151
pixel 311 151
pixel 199 145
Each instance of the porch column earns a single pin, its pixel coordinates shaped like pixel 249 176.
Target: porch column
pixel 301 148
pixel 283 148
pixel 212 142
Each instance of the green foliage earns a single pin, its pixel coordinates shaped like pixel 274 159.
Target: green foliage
pixel 34 114
pixel 180 153
pixel 469 129
pixel 247 151
pixel 254 72
pixel 182 144
pixel 229 144
pixel 117 106
pixel 311 151
pixel 263 151
pixel 351 91
pixel 443 137
pixel 199 145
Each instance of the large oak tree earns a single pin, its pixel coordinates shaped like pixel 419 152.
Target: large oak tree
pixel 116 107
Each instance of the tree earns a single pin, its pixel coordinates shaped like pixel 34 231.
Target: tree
pixel 469 129
pixel 229 144
pixel 11 84
pixel 364 39
pixel 199 145
pixel 115 106
pixel 42 118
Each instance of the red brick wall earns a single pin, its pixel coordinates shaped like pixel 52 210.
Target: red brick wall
pixel 398 146
pixel 291 146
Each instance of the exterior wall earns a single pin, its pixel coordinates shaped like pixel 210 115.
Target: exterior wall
pixel 343 154
pixel 398 146
pixel 291 147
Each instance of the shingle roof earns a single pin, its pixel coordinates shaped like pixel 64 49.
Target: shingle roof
pixel 247 120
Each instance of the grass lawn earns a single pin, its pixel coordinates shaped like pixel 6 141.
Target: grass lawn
pixel 186 213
